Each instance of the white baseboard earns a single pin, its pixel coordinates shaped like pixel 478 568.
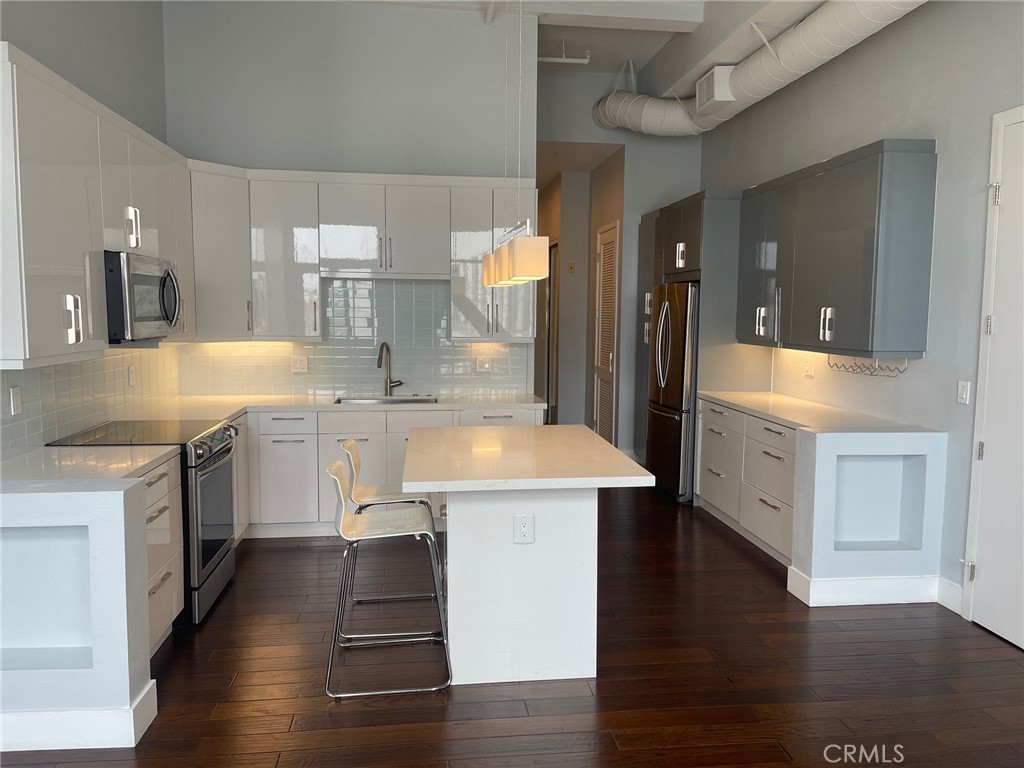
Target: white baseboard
pixel 879 590
pixel 79 728
pixel 289 530
pixel 951 595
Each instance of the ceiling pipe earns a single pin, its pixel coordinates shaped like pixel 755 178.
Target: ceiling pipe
pixel 832 29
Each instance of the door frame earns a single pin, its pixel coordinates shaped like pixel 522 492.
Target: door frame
pixel 613 226
pixel 1000 122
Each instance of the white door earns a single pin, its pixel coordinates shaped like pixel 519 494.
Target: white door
pixel 223 271
pixel 285 259
pixel 515 312
pixel 604 333
pixel 418 231
pixel 995 599
pixel 352 228
pixel 471 310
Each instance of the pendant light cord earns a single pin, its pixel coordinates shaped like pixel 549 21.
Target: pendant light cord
pixel 519 113
pixel 504 167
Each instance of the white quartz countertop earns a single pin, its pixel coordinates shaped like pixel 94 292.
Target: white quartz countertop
pixel 796 413
pixel 448 459
pixel 50 465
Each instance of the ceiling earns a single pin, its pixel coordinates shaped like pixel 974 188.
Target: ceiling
pixel 609 49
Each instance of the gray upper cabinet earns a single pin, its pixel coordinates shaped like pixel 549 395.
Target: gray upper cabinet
pixel 692 229
pixel 842 250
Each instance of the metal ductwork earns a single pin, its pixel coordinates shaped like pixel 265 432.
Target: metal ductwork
pixel 833 28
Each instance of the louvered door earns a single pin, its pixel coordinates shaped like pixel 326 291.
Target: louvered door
pixel 606 324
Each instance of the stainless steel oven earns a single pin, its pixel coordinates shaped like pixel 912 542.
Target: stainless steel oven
pixel 143 297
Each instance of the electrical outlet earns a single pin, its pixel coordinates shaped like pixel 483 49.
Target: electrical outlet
pixel 523 531
pixel 131 377
pixel 300 364
pixel 808 368
pixel 963 392
pixel 15 401
pixel 483 365
pixel 572 267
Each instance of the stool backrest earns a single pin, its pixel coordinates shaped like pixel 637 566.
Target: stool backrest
pixel 345 512
pixel 352 448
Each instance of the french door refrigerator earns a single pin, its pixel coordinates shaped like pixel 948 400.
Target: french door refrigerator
pixel 672 389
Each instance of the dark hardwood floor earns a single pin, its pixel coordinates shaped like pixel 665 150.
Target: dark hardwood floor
pixel 704 660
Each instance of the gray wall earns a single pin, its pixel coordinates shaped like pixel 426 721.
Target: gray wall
pixel 941 72
pixel 114 51
pixel 573 249
pixel 657 171
pixel 338 86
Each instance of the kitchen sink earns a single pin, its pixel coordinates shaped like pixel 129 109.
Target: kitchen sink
pixel 391 400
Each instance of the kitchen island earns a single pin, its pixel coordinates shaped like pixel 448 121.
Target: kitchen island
pixel 521 543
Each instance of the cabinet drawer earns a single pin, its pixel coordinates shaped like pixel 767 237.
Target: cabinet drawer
pixel 162 480
pixel 166 598
pixel 373 458
pixel 288 423
pixel 401 422
pixel 721 415
pixel 720 447
pixel 289 479
pixel 719 487
pixel 352 422
pixel 496 418
pixel 770 433
pixel 768 518
pixel 769 469
pixel 163 531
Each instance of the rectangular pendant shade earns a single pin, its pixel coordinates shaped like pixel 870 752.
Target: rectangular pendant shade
pixel 528 258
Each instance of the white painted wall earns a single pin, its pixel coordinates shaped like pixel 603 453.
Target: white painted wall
pixel 941 72
pixel 114 51
pixel 339 86
pixel 573 249
pixel 657 171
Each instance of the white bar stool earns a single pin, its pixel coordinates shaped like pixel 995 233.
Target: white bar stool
pixel 409 520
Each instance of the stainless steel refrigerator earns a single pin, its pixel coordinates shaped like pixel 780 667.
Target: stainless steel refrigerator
pixel 672 389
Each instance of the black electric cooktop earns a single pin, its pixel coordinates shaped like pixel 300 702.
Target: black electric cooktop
pixel 140 432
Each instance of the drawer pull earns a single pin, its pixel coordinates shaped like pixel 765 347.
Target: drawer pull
pixel 155 480
pixel 774 431
pixel 157 514
pixel 715 431
pixel 773 456
pixel 163 580
pixel 716 474
pixel 287 418
pixel 287 441
pixel 353 439
pixel 769 504
pixel 501 416
pixel 720 413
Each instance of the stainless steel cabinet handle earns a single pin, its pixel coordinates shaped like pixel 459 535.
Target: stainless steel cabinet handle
pixel 138 227
pixel 716 432
pixel 380 252
pixel 79 335
pixel 287 418
pixel 680 255
pixel 391 254
pixel 773 456
pixel 500 416
pixel 778 432
pixel 133 225
pixel 716 474
pixel 821 325
pixel 757 321
pixel 488 317
pixel 287 441
pixel 769 504
pixel 355 439
pixel 720 413
pixel 647 332
pixel 316 316
pixel 648 302
pixel 163 580
pixel 496 328
pixel 155 480
pixel 248 309
pixel 157 514
pixel 69 318
pixel 830 323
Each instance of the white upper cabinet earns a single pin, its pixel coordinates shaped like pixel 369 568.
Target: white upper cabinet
pixel 472 314
pixel 52 273
pixel 149 167
pixel 352 228
pixel 223 272
pixel 285 248
pixel 118 218
pixel 515 314
pixel 184 254
pixel 418 236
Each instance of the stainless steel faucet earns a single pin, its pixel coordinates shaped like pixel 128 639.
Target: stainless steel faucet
pixel 385 353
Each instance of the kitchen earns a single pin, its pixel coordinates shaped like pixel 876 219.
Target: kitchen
pixel 195 50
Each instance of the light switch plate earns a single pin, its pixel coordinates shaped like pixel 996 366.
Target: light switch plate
pixel 300 364
pixel 808 368
pixel 483 365
pixel 963 392
pixel 15 401
pixel 131 377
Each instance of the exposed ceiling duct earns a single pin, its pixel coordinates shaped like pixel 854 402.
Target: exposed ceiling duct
pixel 835 27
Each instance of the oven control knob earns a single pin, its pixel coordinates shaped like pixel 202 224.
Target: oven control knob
pixel 202 449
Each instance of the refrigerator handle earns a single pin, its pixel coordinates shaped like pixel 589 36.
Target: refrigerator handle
pixel 689 347
pixel 667 354
pixel 664 412
pixel 658 345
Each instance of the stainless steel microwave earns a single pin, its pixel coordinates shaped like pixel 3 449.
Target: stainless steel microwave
pixel 143 297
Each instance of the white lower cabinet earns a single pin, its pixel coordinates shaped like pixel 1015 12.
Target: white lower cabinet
pixel 166 600
pixel 289 485
pixel 373 456
pixel 767 518
pixel 164 549
pixel 242 515
pixel 503 418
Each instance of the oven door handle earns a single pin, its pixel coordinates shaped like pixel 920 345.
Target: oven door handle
pixel 205 469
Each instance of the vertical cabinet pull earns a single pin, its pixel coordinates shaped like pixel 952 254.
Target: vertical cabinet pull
pixel 821 325
pixel 680 255
pixel 647 332
pixel 391 254
pixel 133 225
pixel 248 310
pixel 380 252
pixel 488 313
pixel 79 336
pixel 69 317
pixel 496 328
pixel 316 317
pixel 830 323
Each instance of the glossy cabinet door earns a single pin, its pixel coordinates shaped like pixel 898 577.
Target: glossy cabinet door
pixel 472 238
pixel 285 246
pixel 184 251
pixel 418 236
pixel 289 481
pixel 61 225
pixel 149 171
pixel 750 282
pixel 242 514
pixel 515 306
pixel 223 269
pixel 352 228
pixel 682 236
pixel 117 186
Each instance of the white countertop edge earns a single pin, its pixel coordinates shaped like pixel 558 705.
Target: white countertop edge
pixel 527 484
pixel 72 485
pixel 64 467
